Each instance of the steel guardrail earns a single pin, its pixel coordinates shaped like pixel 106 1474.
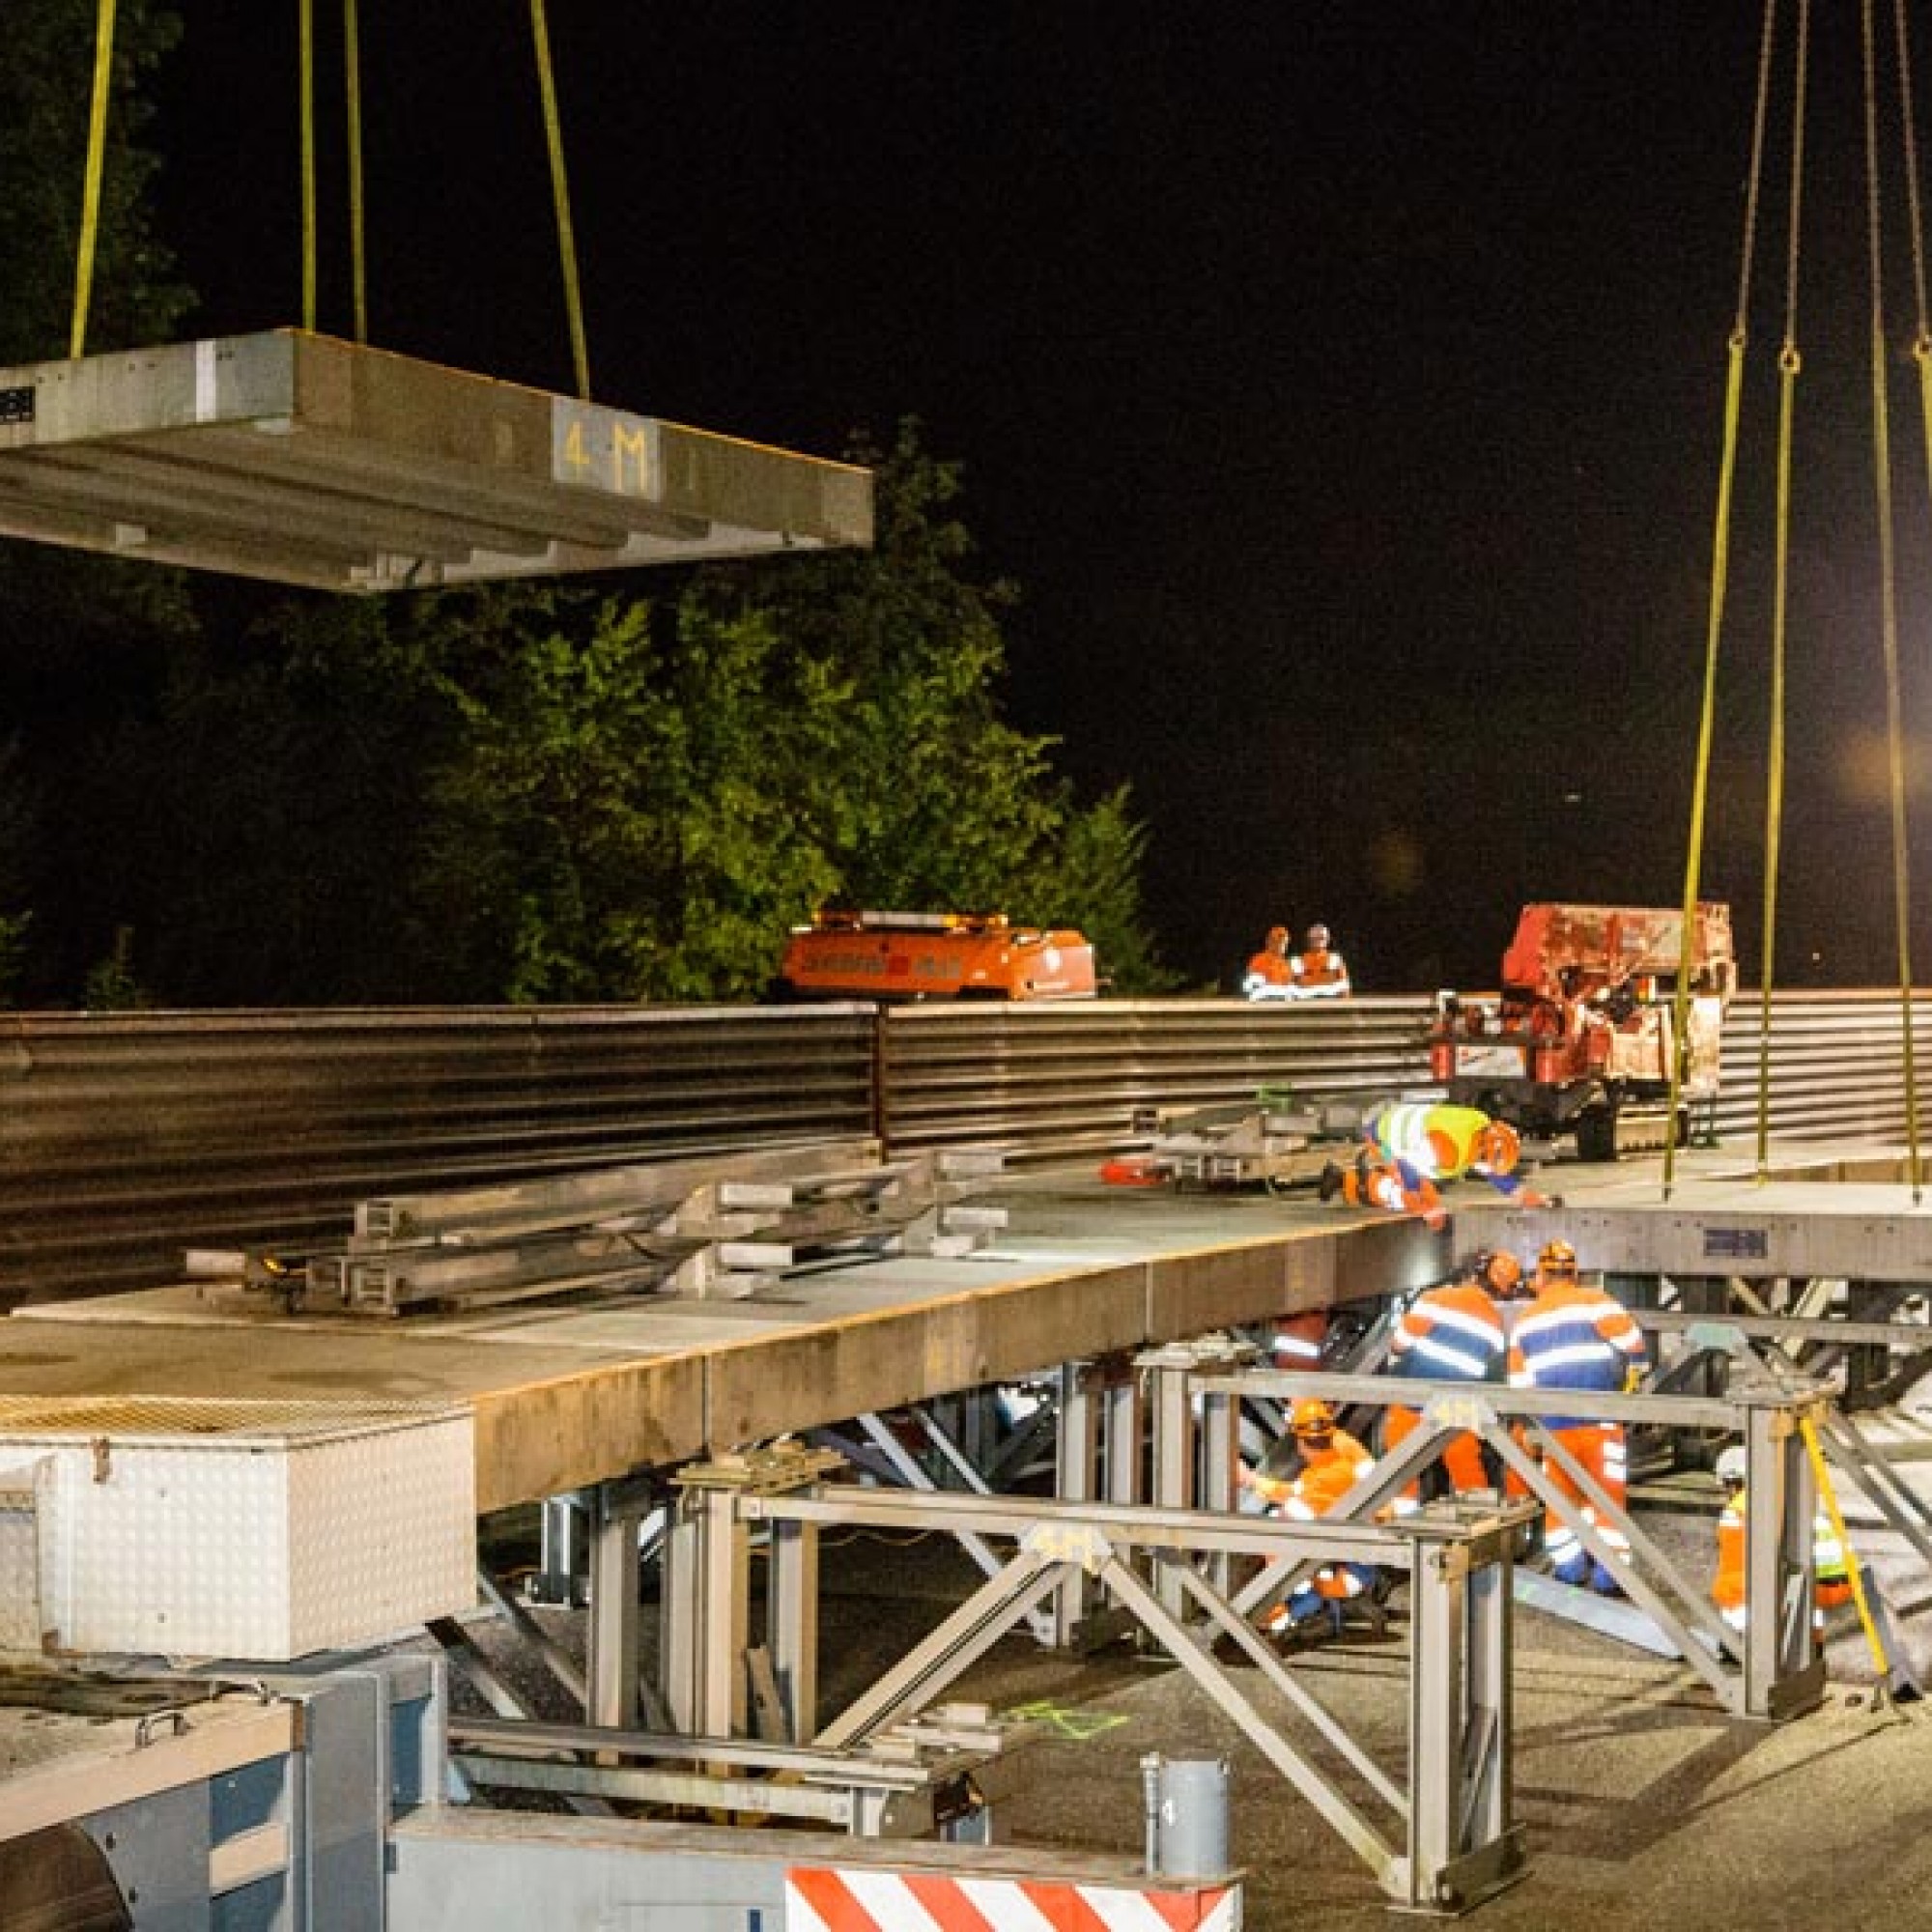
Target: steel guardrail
pixel 127 1138
pixel 1065 1080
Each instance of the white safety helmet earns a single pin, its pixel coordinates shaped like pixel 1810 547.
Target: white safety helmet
pixel 1731 1465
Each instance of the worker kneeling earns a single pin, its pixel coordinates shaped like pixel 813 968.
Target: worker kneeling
pixel 1574 1336
pixel 1831 1566
pixel 1454 1333
pixel 1410 1146
pixel 1333 1462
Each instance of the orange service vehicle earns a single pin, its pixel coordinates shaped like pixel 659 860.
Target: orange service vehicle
pixel 932 956
pixel 1582 1035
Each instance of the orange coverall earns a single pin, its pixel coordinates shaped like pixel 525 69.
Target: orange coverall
pixel 1327 1475
pixel 1831 1583
pixel 1454 1333
pixel 1576 1336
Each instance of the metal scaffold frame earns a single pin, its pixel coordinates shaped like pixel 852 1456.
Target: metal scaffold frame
pixel 1438 1836
pixel 1771 1669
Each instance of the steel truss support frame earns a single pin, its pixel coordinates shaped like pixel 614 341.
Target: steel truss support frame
pixel 1774 1671
pixel 1877 1350
pixel 1439 1839
pixel 708 1673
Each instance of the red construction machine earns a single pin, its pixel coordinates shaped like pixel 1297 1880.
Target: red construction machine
pixel 1580 1037
pixel 926 955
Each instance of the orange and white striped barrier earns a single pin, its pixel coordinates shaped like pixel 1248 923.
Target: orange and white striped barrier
pixel 820 1900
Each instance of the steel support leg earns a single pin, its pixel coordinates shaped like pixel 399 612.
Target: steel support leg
pixel 611 1664
pixel 1076 1479
pixel 562 1562
pixel 791 1622
pixel 1461 1842
pixel 1219 1450
pixel 1170 1382
pixel 1783 1672
pixel 708 1570
pixel 1123 1431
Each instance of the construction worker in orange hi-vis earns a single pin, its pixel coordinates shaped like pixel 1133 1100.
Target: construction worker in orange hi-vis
pixel 1300 1340
pixel 1830 1567
pixel 1319 973
pixel 1574 1336
pixel 1455 1333
pixel 1271 973
pixel 1333 1462
pixel 1411 1145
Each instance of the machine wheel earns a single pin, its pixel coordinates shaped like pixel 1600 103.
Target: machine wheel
pixel 1597 1134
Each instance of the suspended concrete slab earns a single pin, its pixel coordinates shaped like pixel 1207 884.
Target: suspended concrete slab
pixel 308 460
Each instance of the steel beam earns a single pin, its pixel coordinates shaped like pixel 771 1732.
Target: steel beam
pixel 1855 1231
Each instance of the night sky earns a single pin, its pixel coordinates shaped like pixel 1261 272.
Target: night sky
pixel 1340 384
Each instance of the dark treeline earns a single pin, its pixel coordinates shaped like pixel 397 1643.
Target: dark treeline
pixel 212 794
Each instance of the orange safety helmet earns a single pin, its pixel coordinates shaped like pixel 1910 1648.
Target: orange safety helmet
pixel 1500 1272
pixel 1497 1147
pixel 1312 1416
pixel 1277 937
pixel 1557 1262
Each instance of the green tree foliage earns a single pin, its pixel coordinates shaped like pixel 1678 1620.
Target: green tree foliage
pixel 609 827
pixel 17 839
pixel 547 794
pixel 86 635
pixel 907 776
pixel 649 796
pixel 45 99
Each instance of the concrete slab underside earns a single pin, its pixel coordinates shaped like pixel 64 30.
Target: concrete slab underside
pixel 308 460
pixel 574 1393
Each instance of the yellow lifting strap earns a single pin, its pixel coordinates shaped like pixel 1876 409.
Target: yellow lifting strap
pixel 1789 363
pixel 1827 1500
pixel 352 85
pixel 1894 706
pixel 1721 559
pixel 352 63
pixel 90 196
pixel 566 239
pixel 305 32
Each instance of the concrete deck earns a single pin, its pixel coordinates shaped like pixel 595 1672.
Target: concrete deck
pixel 305 460
pixel 573 1393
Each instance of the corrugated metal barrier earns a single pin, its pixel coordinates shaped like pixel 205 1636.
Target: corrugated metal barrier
pixel 1065 1079
pixel 126 1138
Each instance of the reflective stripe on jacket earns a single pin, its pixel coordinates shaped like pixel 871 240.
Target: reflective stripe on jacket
pixel 1573 1336
pixel 1434 1137
pixel 1454 1333
pixel 1321 975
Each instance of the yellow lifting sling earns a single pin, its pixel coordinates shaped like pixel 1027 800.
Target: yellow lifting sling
pixel 1789 363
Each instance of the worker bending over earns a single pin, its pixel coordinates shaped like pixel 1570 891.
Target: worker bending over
pixel 1831 1566
pixel 1574 1336
pixel 1333 1462
pixel 1410 1146
pixel 1271 973
pixel 1318 972
pixel 1454 1333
